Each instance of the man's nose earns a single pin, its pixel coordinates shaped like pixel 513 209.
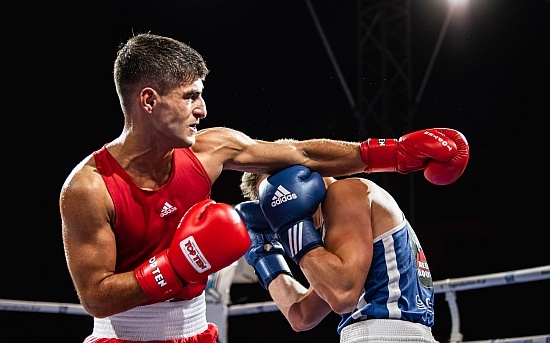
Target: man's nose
pixel 200 110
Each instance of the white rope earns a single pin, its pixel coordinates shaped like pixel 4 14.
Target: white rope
pixel 448 286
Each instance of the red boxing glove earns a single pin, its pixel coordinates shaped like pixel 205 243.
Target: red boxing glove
pixel 191 290
pixel 442 153
pixel 209 237
pixel 446 172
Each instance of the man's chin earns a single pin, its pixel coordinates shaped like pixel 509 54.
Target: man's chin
pixel 189 141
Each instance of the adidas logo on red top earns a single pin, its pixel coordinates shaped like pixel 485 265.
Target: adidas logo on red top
pixel 167 209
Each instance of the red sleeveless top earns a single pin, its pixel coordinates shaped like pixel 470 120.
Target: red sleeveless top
pixel 145 220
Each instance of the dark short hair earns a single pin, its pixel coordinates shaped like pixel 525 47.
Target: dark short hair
pixel 160 62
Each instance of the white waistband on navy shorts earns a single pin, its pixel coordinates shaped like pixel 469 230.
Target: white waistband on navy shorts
pixel 155 322
pixel 386 330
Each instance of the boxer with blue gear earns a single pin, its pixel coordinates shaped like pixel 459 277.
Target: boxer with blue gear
pixel 266 254
pixel 288 200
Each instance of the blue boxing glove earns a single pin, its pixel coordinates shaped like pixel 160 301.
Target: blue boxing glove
pixel 266 254
pixel 288 200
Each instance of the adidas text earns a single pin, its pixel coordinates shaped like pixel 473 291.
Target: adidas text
pixel 283 199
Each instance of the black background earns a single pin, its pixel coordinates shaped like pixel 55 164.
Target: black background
pixel 271 78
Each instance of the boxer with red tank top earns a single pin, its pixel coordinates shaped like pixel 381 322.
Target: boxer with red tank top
pixel 145 223
pixel 147 219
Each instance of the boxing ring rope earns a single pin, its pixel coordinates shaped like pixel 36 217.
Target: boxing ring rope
pixel 448 286
pixel 451 286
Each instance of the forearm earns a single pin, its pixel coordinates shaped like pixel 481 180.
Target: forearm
pixel 302 308
pixel 114 294
pixel 332 280
pixel 331 157
pixel 235 150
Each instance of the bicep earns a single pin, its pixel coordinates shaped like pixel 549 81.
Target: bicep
pixel 88 239
pixel 348 226
pixel 223 148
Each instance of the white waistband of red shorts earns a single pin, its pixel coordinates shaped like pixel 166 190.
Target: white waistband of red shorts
pixel 155 322
pixel 386 330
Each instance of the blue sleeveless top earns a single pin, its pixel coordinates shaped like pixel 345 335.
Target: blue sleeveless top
pixel 399 284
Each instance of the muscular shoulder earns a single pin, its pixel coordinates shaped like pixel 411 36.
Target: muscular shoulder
pixel 82 176
pixel 358 197
pixel 350 187
pixel 356 194
pixel 357 187
pixel 83 188
pixel 347 196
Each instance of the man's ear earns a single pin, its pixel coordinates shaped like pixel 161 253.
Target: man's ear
pixel 148 99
